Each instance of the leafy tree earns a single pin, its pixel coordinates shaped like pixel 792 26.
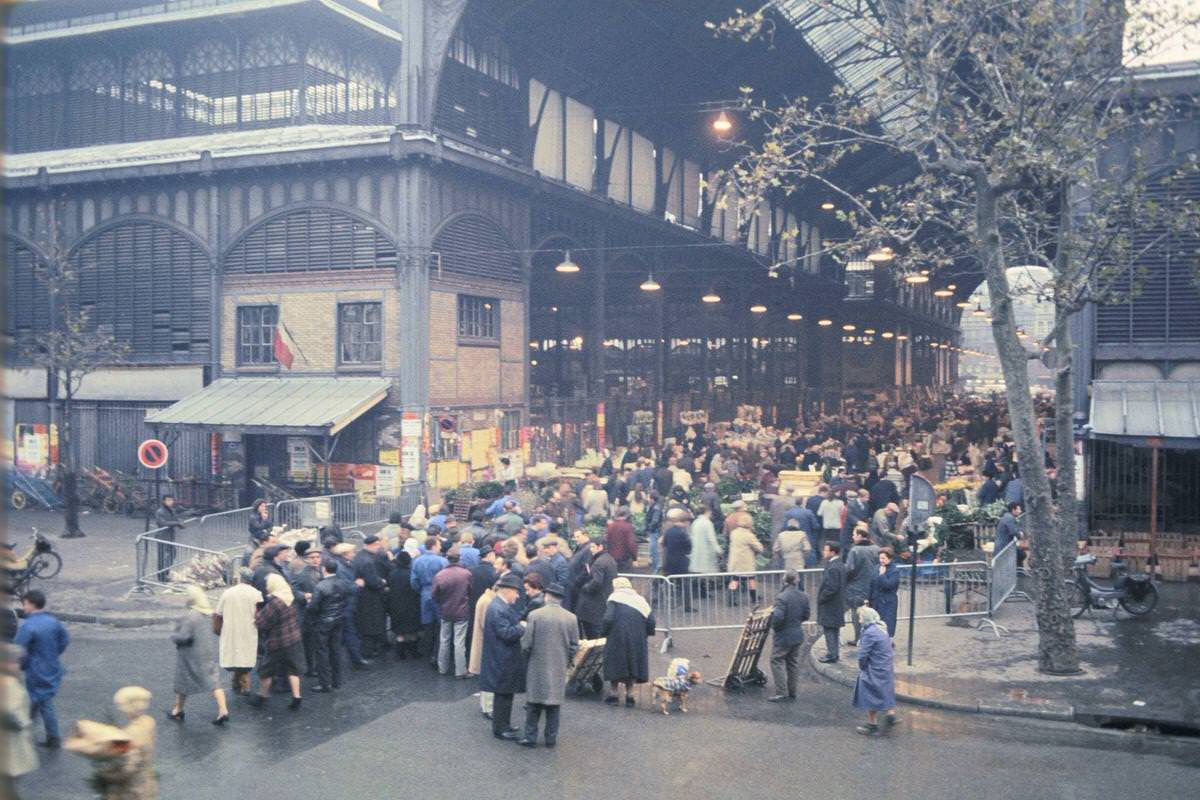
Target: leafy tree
pixel 69 351
pixel 1016 130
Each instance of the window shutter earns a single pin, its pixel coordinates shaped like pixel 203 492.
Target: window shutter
pixel 310 240
pixel 474 245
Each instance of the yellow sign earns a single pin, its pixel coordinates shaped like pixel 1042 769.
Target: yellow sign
pixel 389 457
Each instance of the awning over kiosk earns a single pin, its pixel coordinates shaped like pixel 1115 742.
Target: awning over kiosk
pixel 1147 413
pixel 291 406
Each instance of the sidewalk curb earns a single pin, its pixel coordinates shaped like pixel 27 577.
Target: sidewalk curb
pixel 106 619
pixel 1064 713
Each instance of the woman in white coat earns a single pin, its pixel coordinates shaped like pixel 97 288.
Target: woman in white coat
pixel 234 621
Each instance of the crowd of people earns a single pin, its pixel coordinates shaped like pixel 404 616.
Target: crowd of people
pixel 511 595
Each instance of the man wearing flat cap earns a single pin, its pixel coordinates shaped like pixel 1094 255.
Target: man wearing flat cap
pixel 549 645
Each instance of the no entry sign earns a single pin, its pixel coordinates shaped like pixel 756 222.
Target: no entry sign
pixel 152 453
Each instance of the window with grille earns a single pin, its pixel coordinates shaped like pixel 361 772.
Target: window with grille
pixel 360 333
pixel 256 335
pixel 311 240
pixel 474 245
pixel 208 88
pixel 510 430
pixel 35 103
pixel 478 318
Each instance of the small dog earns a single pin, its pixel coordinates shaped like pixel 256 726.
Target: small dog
pixel 675 685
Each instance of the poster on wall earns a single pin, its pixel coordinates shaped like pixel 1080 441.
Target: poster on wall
pixel 36 446
pixel 387 480
pixel 299 459
pixel 389 457
pixel 363 478
pixel 411 439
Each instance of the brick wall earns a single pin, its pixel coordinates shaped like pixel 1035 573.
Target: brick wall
pixel 474 374
pixel 308 307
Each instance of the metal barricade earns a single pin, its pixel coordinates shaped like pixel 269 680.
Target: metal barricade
pixel 953 589
pixel 166 563
pixel 379 510
pixel 317 512
pixel 721 600
pixel 223 530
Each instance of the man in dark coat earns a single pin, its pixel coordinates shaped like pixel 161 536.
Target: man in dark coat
pixel 711 500
pixel 787 621
pixel 596 585
pixel 862 564
pixel 326 609
pixel 167 519
pixel 883 492
pixel 372 598
pixel 831 601
pixel 577 567
pixel 275 559
pixel 404 606
pixel 502 670
pixel 677 547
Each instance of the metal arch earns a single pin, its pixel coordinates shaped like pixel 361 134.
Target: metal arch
pixel 151 219
pixel 341 208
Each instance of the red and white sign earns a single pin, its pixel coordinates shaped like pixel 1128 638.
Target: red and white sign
pixel 152 453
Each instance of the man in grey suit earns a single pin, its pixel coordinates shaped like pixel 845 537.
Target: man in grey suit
pixel 787 620
pixel 831 601
pixel 862 564
pixel 549 643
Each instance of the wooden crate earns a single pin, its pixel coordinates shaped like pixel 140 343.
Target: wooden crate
pixel 1101 567
pixel 1174 568
pixel 1135 565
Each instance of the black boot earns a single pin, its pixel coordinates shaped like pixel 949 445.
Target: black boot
pixel 754 597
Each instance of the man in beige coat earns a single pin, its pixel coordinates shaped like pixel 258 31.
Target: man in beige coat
pixel 550 642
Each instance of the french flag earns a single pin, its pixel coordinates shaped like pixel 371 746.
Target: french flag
pixel 285 346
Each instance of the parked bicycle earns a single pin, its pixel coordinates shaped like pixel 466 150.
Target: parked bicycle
pixel 1137 594
pixel 40 561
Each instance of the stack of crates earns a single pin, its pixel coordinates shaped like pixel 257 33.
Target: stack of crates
pixel 1105 548
pixel 1175 554
pixel 1135 549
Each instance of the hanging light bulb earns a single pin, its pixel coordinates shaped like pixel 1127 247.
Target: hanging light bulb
pixel 916 277
pixel 869 331
pixel 901 337
pixel 887 334
pixel 824 323
pixel 650 285
pixel 979 312
pixel 963 304
pixel 567 265
pixel 882 255
pixel 711 297
pixel 758 308
pixel 795 316
pixel 827 206
pixel 945 291
pixel 722 124
pixel 848 327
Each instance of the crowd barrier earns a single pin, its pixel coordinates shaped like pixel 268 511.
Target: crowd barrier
pixel 164 562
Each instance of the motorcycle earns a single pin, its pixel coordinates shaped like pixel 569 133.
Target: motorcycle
pixel 1137 594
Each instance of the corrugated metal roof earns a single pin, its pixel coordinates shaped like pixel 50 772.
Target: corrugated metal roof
pixel 1166 409
pixel 227 144
pixel 302 406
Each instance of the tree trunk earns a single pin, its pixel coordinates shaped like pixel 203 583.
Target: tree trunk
pixel 68 469
pixel 1064 436
pixel 1057 653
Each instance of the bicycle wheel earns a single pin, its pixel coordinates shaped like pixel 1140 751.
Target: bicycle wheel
pixel 18 500
pixel 1142 605
pixel 1077 598
pixel 46 565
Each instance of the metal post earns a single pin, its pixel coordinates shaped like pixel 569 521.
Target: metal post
pixel 912 592
pixel 1153 508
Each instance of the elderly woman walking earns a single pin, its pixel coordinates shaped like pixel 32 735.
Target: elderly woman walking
pixel 196 658
pixel 284 652
pixel 234 623
pixel 628 624
pixel 875 689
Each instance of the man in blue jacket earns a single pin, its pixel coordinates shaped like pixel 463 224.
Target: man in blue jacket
pixel 44 639
pixel 424 568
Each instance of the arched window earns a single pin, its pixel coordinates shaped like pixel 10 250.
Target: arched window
pixel 208 90
pixel 370 100
pixel 35 108
pixel 311 240
pixel 148 285
pixel 27 311
pixel 270 80
pixel 149 95
pixel 324 82
pixel 474 245
pixel 94 103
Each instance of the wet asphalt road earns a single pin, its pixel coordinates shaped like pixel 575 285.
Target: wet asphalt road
pixel 401 730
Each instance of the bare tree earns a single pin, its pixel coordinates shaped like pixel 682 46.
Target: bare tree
pixel 69 351
pixel 999 114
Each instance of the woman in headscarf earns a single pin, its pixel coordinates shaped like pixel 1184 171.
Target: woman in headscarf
pixel 196 657
pixel 628 624
pixel 404 605
pixel 875 689
pixel 284 651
